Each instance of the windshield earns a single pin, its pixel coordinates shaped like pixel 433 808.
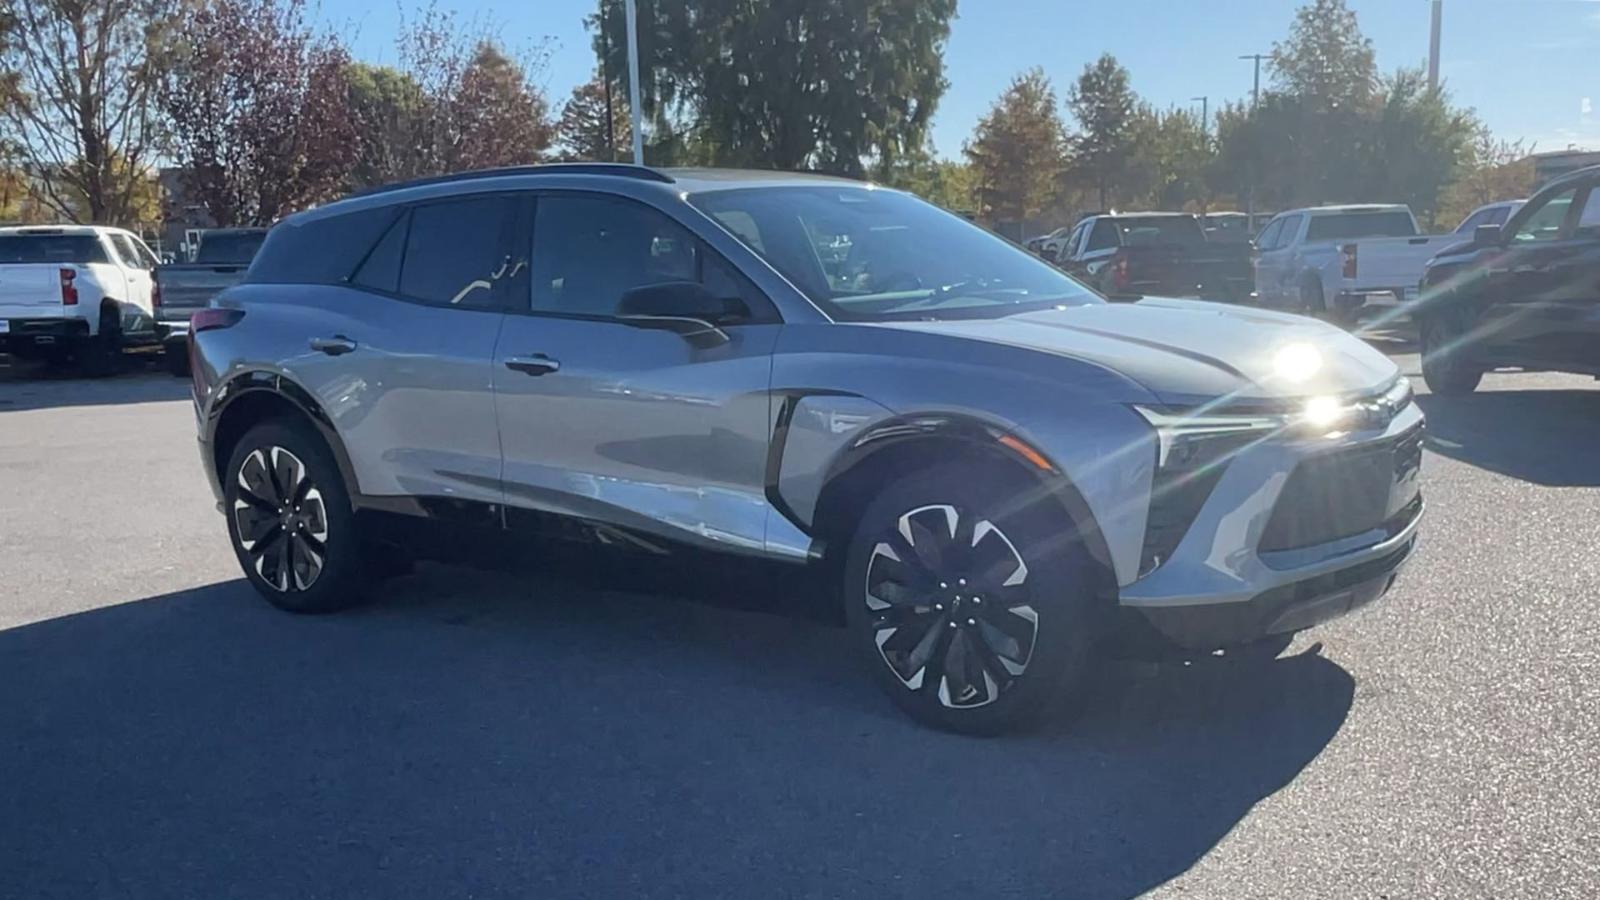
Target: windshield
pixel 229 247
pixel 1160 231
pixel 1351 226
pixel 50 248
pixel 864 254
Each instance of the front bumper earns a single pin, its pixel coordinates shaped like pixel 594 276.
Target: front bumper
pixel 1231 580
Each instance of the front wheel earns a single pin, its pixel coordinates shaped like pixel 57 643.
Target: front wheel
pixel 970 598
pixel 290 520
pixel 1446 369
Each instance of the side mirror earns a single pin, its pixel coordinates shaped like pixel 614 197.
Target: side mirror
pixel 1485 235
pixel 683 307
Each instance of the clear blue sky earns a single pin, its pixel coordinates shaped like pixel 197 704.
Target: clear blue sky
pixel 1530 67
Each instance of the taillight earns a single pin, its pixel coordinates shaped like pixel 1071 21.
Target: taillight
pixel 1348 253
pixel 69 287
pixel 1119 273
pixel 211 318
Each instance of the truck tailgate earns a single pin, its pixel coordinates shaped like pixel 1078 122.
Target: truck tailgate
pixel 186 288
pixel 30 288
pixel 1213 271
pixel 1395 263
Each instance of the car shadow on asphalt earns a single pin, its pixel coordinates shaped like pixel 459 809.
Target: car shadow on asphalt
pixel 1541 436
pixel 26 386
pixel 479 734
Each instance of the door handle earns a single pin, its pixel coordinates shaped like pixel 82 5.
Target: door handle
pixel 537 364
pixel 337 345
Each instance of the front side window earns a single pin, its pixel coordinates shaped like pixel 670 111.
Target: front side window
pixel 865 254
pixel 589 250
pixel 1269 237
pixel 1589 218
pixel 1103 237
pixel 456 252
pixel 1544 223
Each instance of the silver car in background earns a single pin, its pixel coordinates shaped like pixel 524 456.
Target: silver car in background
pixel 995 471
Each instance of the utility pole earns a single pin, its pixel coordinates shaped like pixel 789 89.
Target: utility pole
pixel 1255 103
pixel 1433 44
pixel 605 76
pixel 1205 115
pixel 633 83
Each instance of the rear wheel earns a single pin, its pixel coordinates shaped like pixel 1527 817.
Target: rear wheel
pixel 101 354
pixel 971 599
pixel 290 520
pixel 1445 366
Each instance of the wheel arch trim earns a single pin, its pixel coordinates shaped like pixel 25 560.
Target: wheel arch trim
pixel 259 382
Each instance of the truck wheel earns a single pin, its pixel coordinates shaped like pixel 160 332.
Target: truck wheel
pixel 1311 299
pixel 101 354
pixel 290 521
pixel 969 600
pixel 175 355
pixel 1445 368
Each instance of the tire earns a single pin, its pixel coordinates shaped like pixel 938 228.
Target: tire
pixel 940 654
pixel 1311 297
pixel 101 354
pixel 175 356
pixel 1444 369
pixel 305 557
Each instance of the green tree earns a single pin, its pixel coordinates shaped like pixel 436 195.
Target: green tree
pixel 1495 170
pixel 1106 109
pixel 1172 159
pixel 847 86
pixel 1018 151
pixel 389 109
pixel 584 132
pixel 1417 144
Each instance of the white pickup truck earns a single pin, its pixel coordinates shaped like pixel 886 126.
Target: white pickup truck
pixel 1342 260
pixel 75 291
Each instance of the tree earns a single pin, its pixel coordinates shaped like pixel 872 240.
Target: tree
pixel 1417 144
pixel 78 104
pixel 585 133
pixel 258 106
pixel 1105 107
pixel 1494 170
pixel 497 117
pixel 1017 151
pixel 1326 60
pixel 1171 160
pixel 480 106
pixel 846 86
pixel 391 113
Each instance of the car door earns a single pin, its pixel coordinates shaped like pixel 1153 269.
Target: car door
pixel 1100 246
pixel 138 312
pixel 624 423
pixel 1275 268
pixel 399 353
pixel 1544 285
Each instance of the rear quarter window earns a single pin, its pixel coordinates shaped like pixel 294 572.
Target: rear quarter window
pixel 319 251
pixel 25 249
pixel 1353 226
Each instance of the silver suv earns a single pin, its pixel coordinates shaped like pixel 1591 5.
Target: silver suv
pixel 996 470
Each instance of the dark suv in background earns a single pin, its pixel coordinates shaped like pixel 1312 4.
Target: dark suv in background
pixel 992 469
pixel 1523 295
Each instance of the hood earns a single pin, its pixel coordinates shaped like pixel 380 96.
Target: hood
pixel 1189 351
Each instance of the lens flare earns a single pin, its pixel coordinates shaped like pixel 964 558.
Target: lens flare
pixel 1297 362
pixel 1323 411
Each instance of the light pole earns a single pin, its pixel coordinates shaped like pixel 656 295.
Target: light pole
pixel 605 76
pixel 633 83
pixel 1433 44
pixel 1255 101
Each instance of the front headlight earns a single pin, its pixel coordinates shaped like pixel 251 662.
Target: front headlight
pixel 1180 435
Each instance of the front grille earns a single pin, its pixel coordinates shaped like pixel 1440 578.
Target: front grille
pixel 1345 493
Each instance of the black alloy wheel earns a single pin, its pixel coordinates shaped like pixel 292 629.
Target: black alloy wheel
pixel 290 519
pixel 972 597
pixel 281 518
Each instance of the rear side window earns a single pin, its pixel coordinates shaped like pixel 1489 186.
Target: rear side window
pixel 229 247
pixel 23 249
pixel 127 254
pixel 1350 226
pixel 319 251
pixel 381 270
pixel 1103 237
pixel 455 252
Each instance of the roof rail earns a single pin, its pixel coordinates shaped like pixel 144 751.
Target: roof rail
pixel 621 170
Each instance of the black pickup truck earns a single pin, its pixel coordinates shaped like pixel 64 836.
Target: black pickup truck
pixel 181 288
pixel 1129 255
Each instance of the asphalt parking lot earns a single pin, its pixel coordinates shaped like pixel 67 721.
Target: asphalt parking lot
pixel 163 733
